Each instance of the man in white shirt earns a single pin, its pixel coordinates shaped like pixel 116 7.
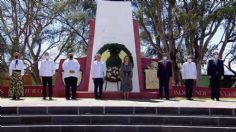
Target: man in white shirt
pixel 98 75
pixel 46 71
pixel 71 71
pixel 189 74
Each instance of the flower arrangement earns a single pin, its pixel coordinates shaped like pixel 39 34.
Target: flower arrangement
pixel 114 62
pixel 113 74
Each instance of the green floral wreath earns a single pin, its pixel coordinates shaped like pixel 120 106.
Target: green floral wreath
pixel 114 62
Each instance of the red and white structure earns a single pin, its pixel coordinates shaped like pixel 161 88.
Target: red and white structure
pixel 114 24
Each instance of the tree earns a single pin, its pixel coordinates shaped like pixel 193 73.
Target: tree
pixel 201 20
pixel 160 29
pixel 182 28
pixel 34 27
pixel 74 16
pixel 3 64
pixel 231 57
pixel 26 27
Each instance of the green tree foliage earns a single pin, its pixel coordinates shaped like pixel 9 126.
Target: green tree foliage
pixel 185 28
pixel 74 16
pixel 34 27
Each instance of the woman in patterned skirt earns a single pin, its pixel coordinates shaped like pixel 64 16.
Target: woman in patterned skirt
pixel 16 72
pixel 126 72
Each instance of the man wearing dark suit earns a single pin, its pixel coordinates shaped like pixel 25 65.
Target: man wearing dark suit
pixel 164 74
pixel 215 72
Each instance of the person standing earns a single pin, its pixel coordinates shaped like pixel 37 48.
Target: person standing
pixel 164 74
pixel 126 73
pixel 46 71
pixel 189 74
pixel 71 71
pixel 16 72
pixel 98 75
pixel 215 72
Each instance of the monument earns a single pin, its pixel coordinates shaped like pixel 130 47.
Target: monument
pixel 113 34
pixel 114 24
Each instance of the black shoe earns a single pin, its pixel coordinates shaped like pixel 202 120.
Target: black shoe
pixel 73 98
pixel 217 99
pixel 18 98
pixel 190 99
pixel 96 97
pixel 50 98
pixel 13 98
pixel 67 98
pixel 44 98
pixel 167 98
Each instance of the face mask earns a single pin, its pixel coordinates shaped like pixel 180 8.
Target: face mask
pixel 189 60
pixel 71 57
pixel 164 58
pixel 216 56
pixel 16 57
pixel 47 57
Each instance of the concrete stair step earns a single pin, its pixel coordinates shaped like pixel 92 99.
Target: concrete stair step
pixel 114 128
pixel 117 110
pixel 117 119
pixel 218 121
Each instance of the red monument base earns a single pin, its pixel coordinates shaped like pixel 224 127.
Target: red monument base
pixel 177 91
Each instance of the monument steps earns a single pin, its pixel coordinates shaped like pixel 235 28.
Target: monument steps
pixel 117 119
pixel 115 128
pixel 187 120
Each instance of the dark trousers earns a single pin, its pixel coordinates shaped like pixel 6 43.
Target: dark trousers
pixel 98 85
pixel 164 84
pixel 215 87
pixel 189 88
pixel 71 83
pixel 47 81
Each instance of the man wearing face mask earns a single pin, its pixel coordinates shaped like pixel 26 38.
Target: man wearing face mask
pixel 215 72
pixel 189 74
pixel 98 75
pixel 16 72
pixel 164 74
pixel 46 71
pixel 71 71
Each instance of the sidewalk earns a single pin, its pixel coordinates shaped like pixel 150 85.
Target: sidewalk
pixel 175 102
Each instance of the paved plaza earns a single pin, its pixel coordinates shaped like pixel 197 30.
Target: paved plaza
pixel 174 102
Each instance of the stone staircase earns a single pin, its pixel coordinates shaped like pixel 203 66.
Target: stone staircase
pixel 117 119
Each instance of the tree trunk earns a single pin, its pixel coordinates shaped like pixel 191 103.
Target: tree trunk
pixel 176 70
pixel 36 76
pixel 199 68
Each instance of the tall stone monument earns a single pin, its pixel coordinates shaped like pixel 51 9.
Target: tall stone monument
pixel 114 24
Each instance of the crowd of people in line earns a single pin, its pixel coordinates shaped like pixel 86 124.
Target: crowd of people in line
pixel 71 68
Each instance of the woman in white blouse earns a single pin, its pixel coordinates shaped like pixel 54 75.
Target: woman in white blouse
pixel 16 72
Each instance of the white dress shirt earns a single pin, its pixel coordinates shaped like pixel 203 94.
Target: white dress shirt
pixel 189 70
pixel 71 65
pixel 47 68
pixel 19 66
pixel 99 69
